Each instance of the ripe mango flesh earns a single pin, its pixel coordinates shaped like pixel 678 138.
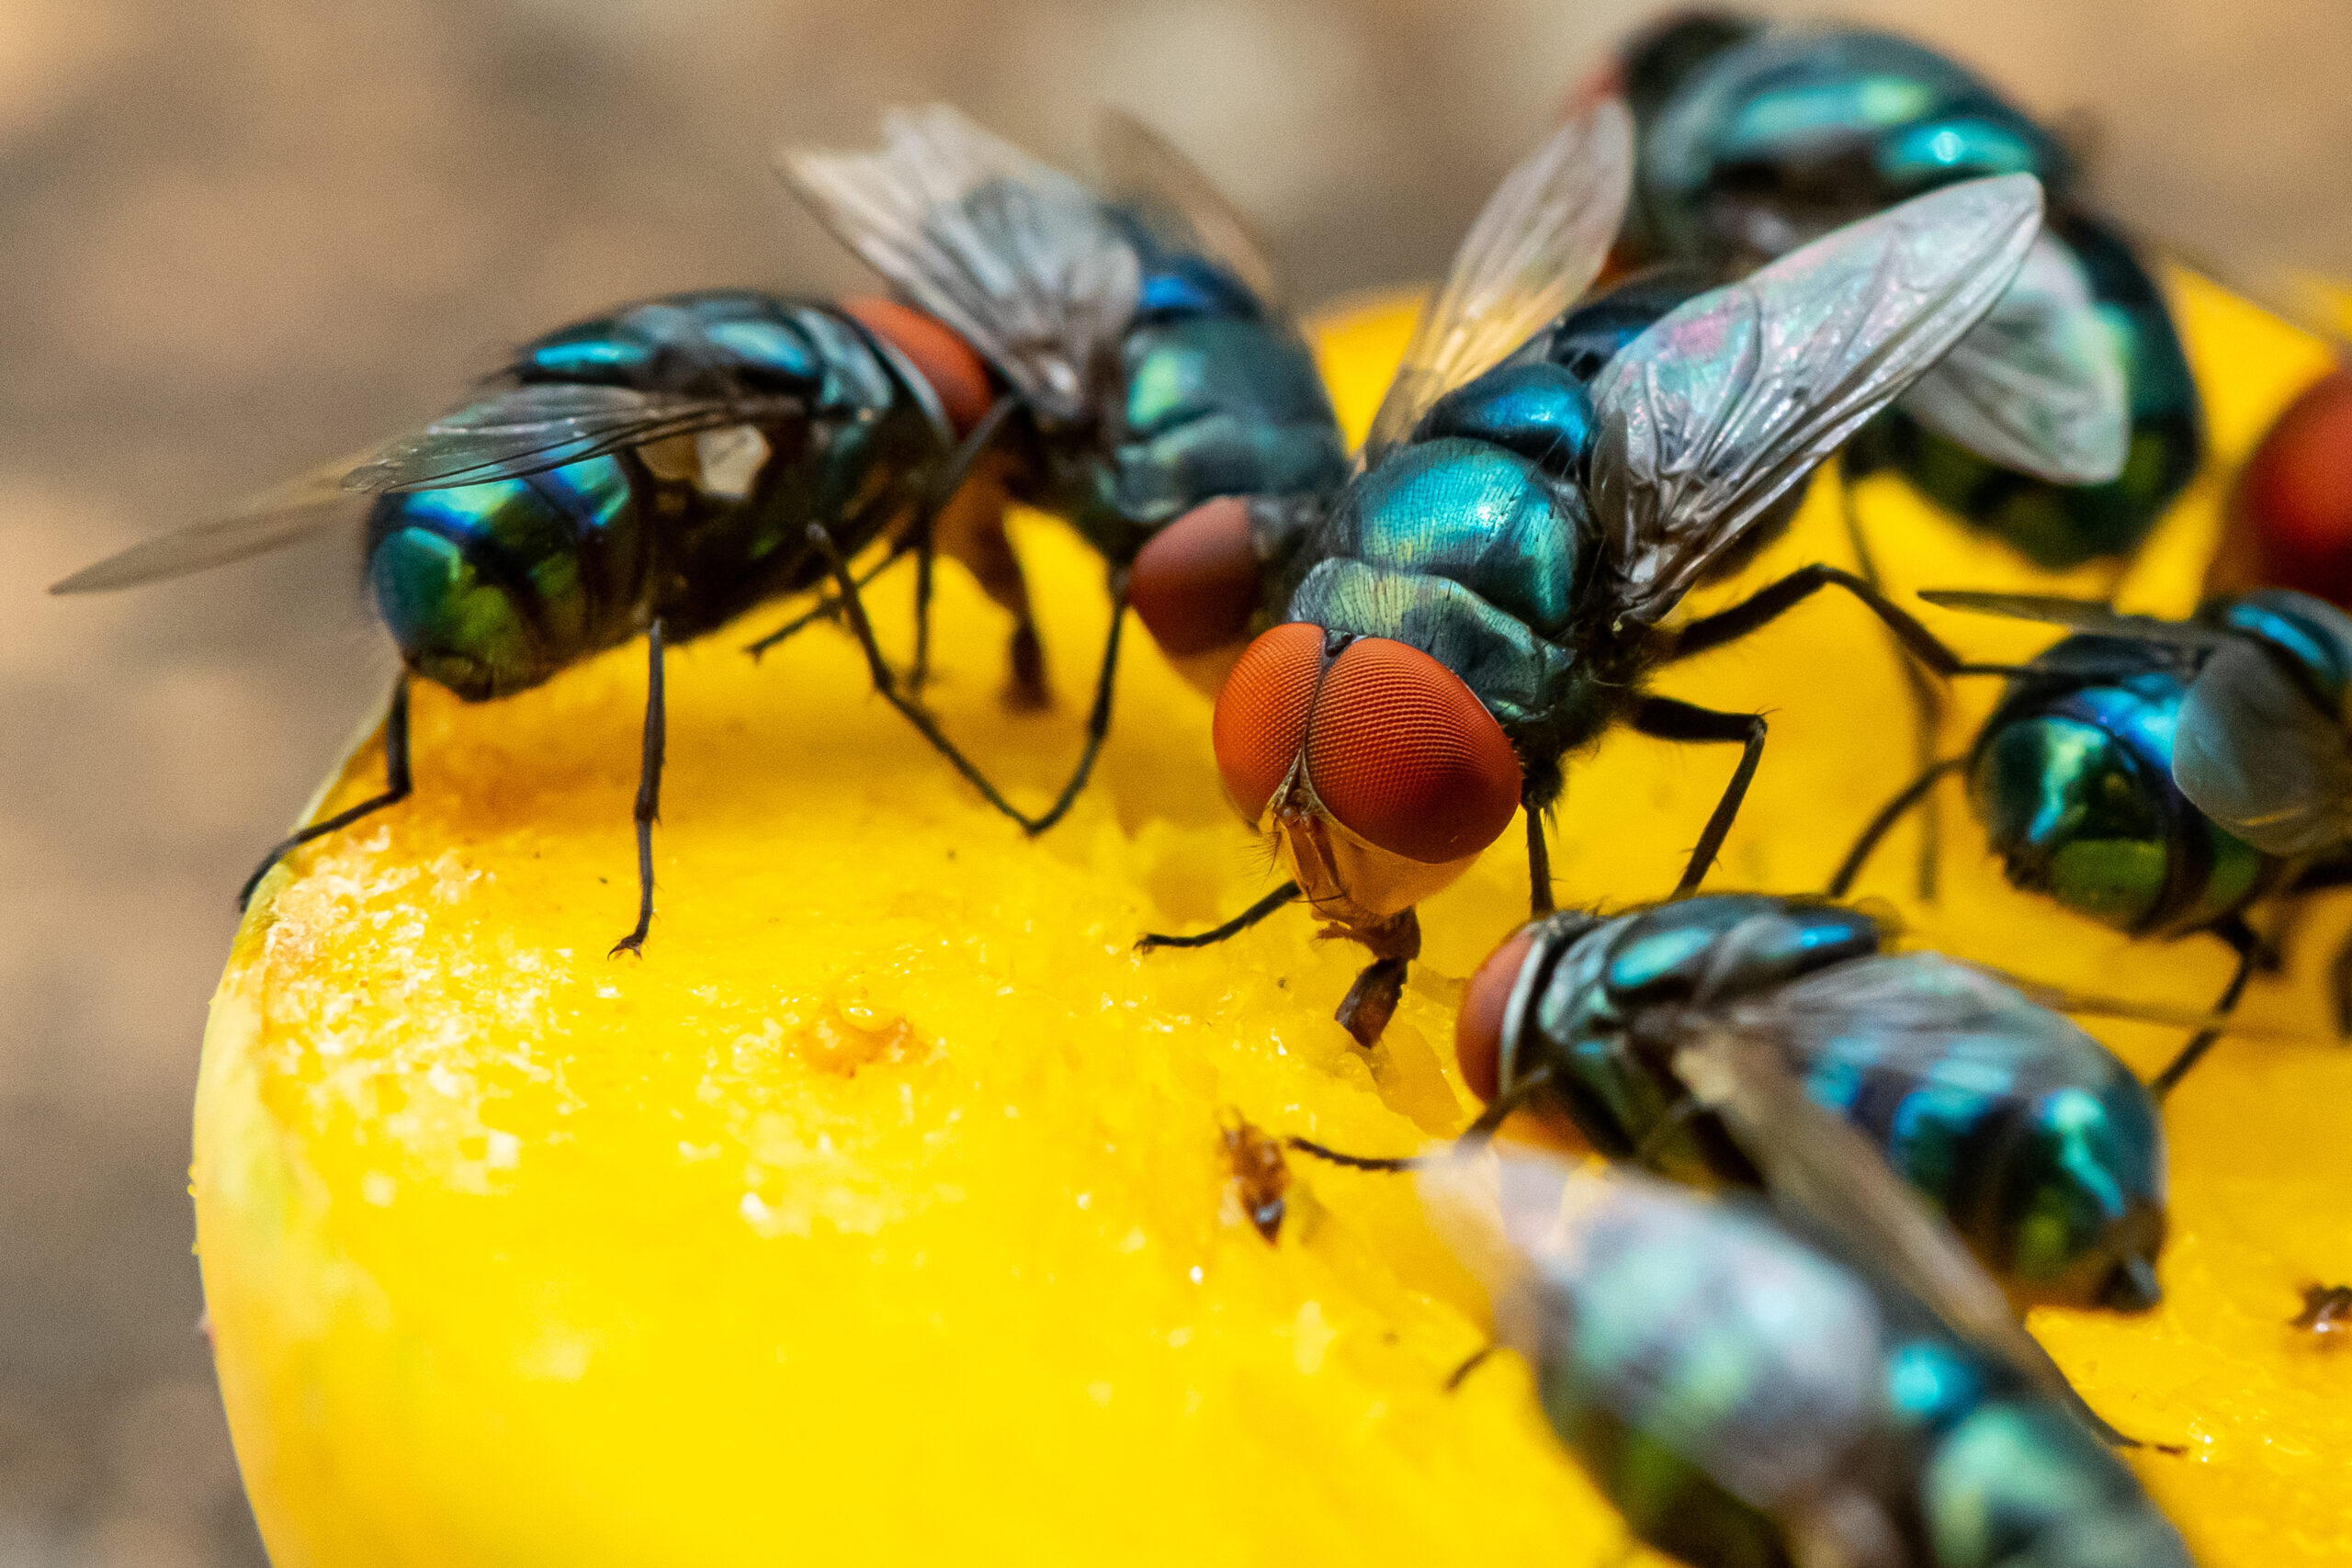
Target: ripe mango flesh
pixel 883 1211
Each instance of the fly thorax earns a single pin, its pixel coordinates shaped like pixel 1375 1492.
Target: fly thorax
pixel 1517 533
pixel 1513 671
pixel 1217 405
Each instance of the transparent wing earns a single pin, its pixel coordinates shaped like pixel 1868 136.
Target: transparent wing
pixel 307 504
pixel 2255 754
pixel 2081 614
pixel 1831 1179
pixel 529 430
pixel 1725 405
pixel 2037 384
pixel 1146 170
pixel 1533 1228
pixel 1542 237
pixel 1028 264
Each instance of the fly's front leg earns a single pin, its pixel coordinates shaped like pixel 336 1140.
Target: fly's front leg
pixel 1664 718
pixel 1919 789
pixel 647 809
pixel 1098 717
pixel 975 535
pixel 397 785
pixel 1285 894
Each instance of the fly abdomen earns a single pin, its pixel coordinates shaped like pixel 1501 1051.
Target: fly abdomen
pixel 2041 1148
pixel 2073 779
pixel 490 589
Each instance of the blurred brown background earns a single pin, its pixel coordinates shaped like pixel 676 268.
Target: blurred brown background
pixel 242 236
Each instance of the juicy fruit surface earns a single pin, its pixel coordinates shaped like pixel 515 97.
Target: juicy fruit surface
pixel 883 1210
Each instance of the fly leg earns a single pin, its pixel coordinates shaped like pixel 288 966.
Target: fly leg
pixel 1475 1360
pixel 1241 922
pixel 1471 1139
pixel 1917 790
pixel 826 607
pixel 1098 717
pixel 2249 949
pixel 2339 988
pixel 1774 600
pixel 879 669
pixel 1927 701
pixel 649 791
pixel 936 496
pixel 1667 719
pixel 397 785
pixel 1539 861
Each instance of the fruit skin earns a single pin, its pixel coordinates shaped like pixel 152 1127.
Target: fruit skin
pixel 2294 496
pixel 518 1255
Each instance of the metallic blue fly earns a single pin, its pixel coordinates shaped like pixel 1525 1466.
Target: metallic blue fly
pixel 2028 1136
pixel 665 467
pixel 2161 777
pixel 1539 492
pixel 1753 1392
pixel 2068 422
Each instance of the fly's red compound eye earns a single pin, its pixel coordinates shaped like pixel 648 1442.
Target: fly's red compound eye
pixel 1195 584
pixel 2296 490
pixel 945 360
pixel 1408 758
pixel 1478 1027
pixel 1261 719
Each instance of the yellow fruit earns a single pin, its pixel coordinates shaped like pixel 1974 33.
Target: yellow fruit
pixel 881 1214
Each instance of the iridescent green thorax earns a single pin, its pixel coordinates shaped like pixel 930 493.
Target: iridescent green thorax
pixel 2040 1147
pixel 2071 777
pixel 1212 405
pixel 1473 541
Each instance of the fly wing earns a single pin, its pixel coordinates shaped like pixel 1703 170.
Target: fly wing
pixel 1825 1173
pixel 307 504
pixel 529 430
pixel 1143 168
pixel 2081 614
pixel 1729 401
pixel 2037 384
pixel 1542 237
pixel 1027 264
pixel 2253 751
pixel 1827 1177
pixel 1545 1236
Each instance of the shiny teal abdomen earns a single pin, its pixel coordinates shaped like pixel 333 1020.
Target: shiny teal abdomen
pixel 2041 1148
pixel 491 588
pixel 2037 1144
pixel 2072 778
